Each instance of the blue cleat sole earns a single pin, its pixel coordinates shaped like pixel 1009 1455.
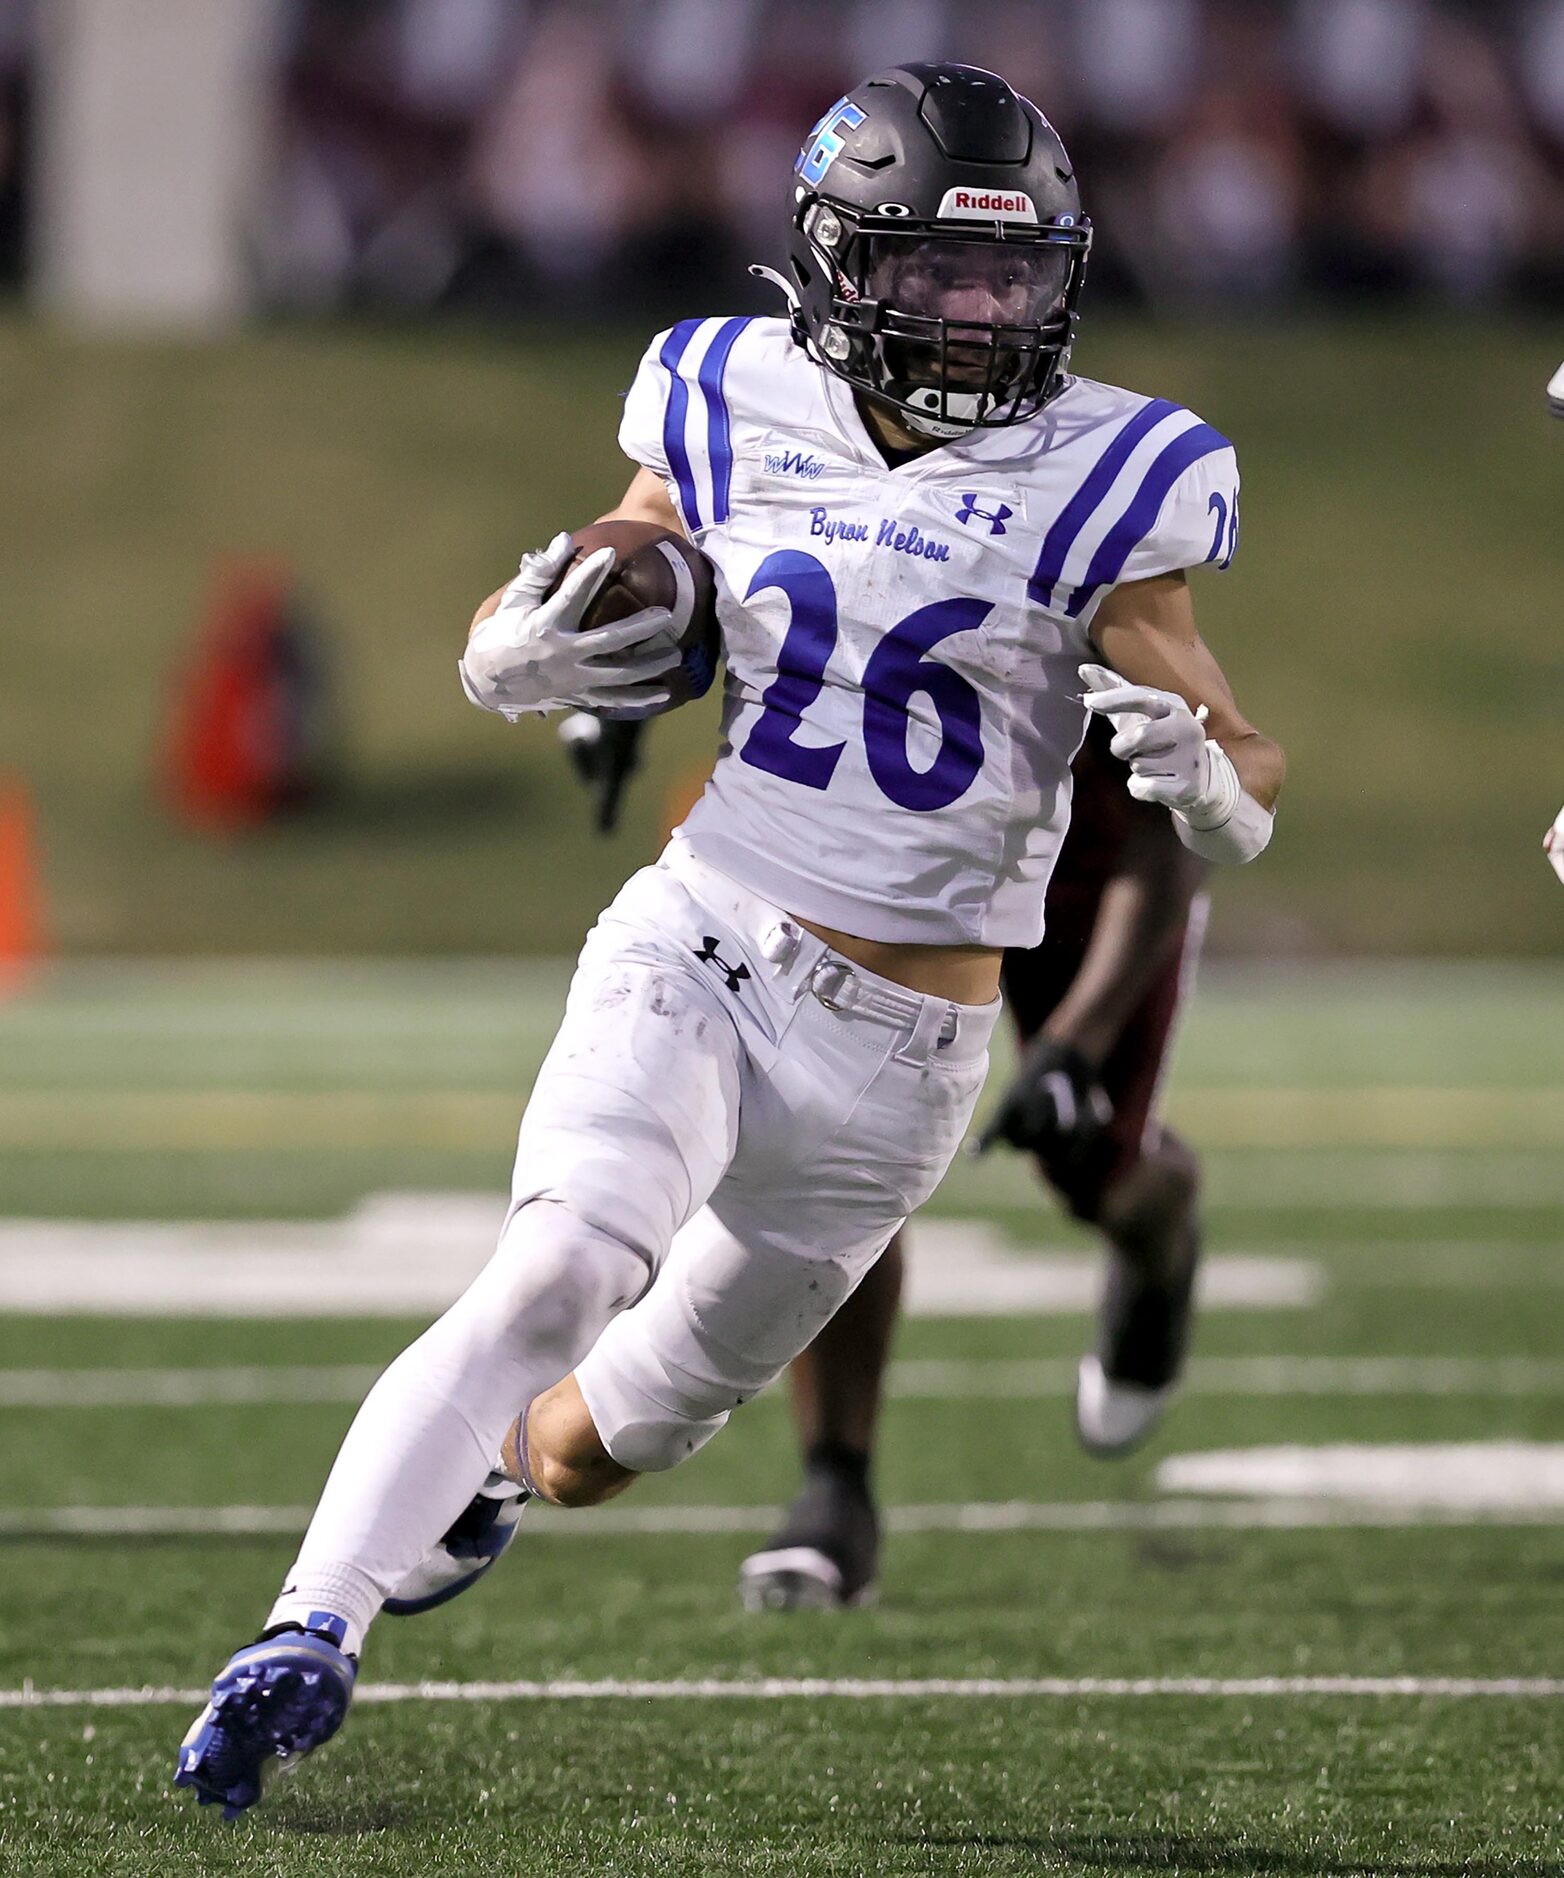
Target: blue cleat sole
pixel 272 1703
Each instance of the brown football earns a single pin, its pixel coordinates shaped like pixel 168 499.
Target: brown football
pixel 652 567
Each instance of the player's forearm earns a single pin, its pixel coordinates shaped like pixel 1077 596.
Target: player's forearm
pixel 1140 921
pixel 1260 763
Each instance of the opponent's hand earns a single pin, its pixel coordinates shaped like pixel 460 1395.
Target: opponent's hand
pixel 1171 759
pixel 531 655
pixel 1054 1108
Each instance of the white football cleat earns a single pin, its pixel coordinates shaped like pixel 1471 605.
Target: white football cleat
pixel 1113 1417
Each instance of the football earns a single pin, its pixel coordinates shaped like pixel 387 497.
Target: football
pixel 655 567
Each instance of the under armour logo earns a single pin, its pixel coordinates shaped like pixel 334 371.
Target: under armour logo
pixel 996 518
pixel 708 954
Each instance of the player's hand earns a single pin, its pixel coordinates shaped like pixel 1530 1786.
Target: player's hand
pixel 530 654
pixel 1055 1107
pixel 604 754
pixel 1171 759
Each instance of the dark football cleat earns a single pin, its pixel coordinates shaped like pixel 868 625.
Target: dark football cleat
pixel 826 1554
pixel 470 1546
pixel 273 1702
pixel 1123 1390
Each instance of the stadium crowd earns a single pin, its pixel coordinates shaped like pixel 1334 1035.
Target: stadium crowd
pixel 577 155
pixel 580 156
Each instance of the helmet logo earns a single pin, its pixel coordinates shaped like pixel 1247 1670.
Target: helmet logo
pixel 988 205
pixel 995 517
pixel 897 211
pixel 823 145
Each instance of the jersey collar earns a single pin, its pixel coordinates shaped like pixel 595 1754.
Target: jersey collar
pixel 1008 444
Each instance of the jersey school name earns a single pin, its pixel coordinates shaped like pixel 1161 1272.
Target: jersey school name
pixel 901 701
pixel 886 534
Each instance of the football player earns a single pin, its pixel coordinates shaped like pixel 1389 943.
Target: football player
pixel 936 553
pixel 1095 1005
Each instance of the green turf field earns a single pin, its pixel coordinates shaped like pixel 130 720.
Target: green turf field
pixel 1392 619
pixel 1398 1133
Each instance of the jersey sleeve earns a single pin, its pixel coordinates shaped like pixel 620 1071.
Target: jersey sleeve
pixel 678 420
pixel 1198 519
pixel 642 427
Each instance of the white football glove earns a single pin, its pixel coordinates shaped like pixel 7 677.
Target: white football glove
pixel 1174 762
pixel 531 655
pixel 1553 840
pixel 1171 759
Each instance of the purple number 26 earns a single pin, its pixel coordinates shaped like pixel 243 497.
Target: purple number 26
pixel 898 669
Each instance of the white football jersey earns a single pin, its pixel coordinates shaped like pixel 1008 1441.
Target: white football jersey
pixel 902 702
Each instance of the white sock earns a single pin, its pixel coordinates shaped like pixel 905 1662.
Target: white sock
pixel 428 1432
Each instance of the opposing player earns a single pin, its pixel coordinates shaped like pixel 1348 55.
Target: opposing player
pixel 928 539
pixel 1095 1004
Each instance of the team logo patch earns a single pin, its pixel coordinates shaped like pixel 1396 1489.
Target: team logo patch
pixel 708 954
pixel 996 517
pixel 793 463
pixel 988 205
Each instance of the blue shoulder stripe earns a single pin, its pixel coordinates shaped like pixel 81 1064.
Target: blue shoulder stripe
pixel 1078 511
pixel 719 438
pixel 674 348
pixel 1138 520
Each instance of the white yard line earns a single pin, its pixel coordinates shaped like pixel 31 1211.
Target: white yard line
pixel 202 1387
pixel 927 1379
pixel 1389 1117
pixel 980 1516
pixel 939 1379
pixel 1475 1476
pixel 852 1689
pixel 1384 1179
pixel 410 1254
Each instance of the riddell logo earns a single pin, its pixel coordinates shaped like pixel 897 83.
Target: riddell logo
pixel 988 205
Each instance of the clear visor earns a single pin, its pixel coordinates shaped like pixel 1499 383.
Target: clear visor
pixel 981 283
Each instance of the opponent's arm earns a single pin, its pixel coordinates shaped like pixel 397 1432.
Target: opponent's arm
pixel 1177 726
pixel 1055 1105
pixel 1139 920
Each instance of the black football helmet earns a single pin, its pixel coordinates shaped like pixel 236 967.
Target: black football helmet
pixel 937 248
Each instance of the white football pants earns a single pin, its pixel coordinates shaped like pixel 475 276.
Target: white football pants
pixel 730 1125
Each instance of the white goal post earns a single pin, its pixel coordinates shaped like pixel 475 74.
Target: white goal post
pixel 151 126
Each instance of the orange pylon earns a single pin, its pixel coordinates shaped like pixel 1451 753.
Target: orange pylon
pixel 22 945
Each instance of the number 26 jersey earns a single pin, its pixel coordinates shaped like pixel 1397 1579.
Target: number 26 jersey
pixel 901 703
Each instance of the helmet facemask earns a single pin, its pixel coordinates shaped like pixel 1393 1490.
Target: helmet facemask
pixel 955 329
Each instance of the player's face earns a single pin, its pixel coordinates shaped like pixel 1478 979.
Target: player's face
pixel 967 284
pixel 981 283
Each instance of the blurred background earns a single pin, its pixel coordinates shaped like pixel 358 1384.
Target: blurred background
pixel 319 314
